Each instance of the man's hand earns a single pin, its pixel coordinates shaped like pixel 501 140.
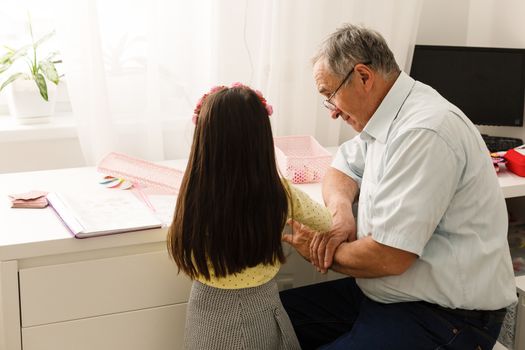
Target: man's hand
pixel 322 247
pixel 339 193
pixel 364 258
pixel 300 238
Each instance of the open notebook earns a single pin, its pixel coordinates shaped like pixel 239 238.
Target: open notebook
pixel 103 212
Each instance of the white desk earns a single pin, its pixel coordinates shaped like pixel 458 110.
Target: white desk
pixel 105 293
pixel 511 184
pixel 58 292
pixel 113 292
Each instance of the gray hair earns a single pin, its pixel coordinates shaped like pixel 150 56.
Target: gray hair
pixel 353 44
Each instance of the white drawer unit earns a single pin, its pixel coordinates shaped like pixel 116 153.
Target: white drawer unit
pixel 159 328
pixel 129 301
pixel 71 291
pixel 519 337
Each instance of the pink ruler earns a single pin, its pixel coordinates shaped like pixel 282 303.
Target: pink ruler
pixel 152 177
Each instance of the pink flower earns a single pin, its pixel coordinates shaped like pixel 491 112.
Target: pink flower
pixel 216 88
pixel 197 110
pixel 269 109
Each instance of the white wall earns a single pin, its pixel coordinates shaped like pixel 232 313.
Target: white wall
pixel 65 152
pixel 40 155
pixel 443 22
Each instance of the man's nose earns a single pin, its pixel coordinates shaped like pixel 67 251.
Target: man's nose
pixel 335 114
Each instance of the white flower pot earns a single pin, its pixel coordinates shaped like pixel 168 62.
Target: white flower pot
pixel 26 104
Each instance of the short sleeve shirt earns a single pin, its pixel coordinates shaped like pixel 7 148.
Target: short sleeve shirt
pixel 428 186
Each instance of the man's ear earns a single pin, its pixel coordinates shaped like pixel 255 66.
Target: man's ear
pixel 366 76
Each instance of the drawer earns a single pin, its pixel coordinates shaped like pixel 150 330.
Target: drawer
pixel 159 328
pixel 69 291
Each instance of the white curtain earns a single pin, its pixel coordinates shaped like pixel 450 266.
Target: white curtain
pixel 135 68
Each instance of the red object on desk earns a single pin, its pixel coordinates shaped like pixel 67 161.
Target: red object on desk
pixel 516 161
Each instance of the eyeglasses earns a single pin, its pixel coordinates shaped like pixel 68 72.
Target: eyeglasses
pixel 330 105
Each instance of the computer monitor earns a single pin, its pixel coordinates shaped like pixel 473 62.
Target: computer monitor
pixel 486 83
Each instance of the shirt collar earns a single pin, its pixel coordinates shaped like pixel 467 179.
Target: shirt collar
pixel 379 124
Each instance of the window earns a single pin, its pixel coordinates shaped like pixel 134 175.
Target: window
pixel 14 33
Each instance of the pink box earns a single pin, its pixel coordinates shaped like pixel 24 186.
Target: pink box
pixel 301 159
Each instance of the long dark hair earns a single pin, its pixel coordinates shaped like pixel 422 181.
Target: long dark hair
pixel 232 205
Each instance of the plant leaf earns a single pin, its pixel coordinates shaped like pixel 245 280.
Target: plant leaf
pixel 12 55
pixel 52 56
pixel 11 79
pixel 20 52
pixel 44 38
pixel 6 58
pixel 42 86
pixel 8 48
pixel 4 67
pixel 49 70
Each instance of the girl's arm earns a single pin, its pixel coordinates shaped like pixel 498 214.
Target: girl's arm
pixel 307 211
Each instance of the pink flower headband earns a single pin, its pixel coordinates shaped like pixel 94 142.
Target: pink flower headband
pixel 214 89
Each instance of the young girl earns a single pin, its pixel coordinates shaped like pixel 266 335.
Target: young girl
pixel 226 232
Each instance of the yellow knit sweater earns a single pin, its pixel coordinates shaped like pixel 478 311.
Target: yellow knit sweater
pixel 306 211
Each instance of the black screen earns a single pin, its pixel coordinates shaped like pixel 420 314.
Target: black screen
pixel 487 84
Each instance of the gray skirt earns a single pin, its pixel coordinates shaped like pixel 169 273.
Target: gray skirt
pixel 249 318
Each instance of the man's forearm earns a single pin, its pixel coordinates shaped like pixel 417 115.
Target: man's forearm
pixel 339 193
pixel 365 258
pixel 338 187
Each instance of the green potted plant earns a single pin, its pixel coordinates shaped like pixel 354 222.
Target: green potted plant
pixel 30 96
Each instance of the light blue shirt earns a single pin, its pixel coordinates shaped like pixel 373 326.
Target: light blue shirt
pixel 427 186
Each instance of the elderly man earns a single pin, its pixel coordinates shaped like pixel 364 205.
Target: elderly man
pixel 427 257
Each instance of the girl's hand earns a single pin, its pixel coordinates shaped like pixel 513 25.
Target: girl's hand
pixel 323 246
pixel 300 238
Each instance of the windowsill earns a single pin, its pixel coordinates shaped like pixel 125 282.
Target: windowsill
pixel 61 125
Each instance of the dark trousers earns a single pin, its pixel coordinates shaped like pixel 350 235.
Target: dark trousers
pixel 337 315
